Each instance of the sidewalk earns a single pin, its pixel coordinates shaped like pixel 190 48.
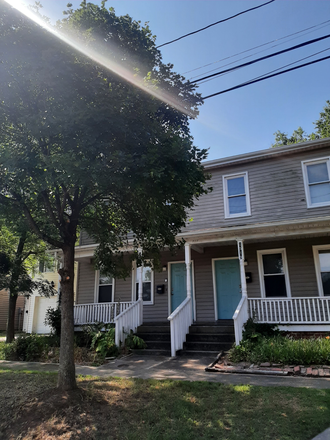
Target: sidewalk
pixel 180 368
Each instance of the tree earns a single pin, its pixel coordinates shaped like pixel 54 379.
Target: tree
pixel 20 251
pixel 322 131
pixel 81 147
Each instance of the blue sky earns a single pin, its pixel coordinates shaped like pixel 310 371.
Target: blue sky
pixel 245 119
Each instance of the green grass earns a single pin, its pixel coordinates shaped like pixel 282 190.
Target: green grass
pixel 134 409
pixel 281 349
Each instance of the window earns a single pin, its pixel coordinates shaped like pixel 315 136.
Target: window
pixel 236 195
pixel 273 273
pixel 104 288
pixel 317 182
pixel 147 284
pixel 322 267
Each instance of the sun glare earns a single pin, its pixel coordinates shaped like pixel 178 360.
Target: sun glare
pixel 134 79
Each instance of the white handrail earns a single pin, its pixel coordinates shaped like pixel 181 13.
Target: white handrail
pixel 302 310
pixel 128 319
pixel 180 321
pixel 240 317
pixel 98 312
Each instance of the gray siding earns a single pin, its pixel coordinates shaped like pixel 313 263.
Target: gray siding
pixel 276 193
pixel 86 283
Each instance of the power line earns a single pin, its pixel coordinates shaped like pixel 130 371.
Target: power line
pixel 306 43
pixel 265 77
pixel 249 56
pixel 282 67
pixel 213 24
pixel 256 47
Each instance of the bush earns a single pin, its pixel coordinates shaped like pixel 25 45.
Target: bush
pixel 29 348
pixel 254 330
pixel 133 341
pixel 283 349
pixel 53 320
pixel 102 338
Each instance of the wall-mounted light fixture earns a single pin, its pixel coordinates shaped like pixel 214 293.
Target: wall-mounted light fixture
pixel 246 262
pixel 164 268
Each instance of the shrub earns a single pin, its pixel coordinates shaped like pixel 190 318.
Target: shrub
pixel 53 320
pixel 281 349
pixel 133 341
pixel 102 338
pixel 28 348
pixel 254 330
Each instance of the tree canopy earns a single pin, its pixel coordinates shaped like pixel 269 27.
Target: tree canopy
pixel 322 126
pixel 83 147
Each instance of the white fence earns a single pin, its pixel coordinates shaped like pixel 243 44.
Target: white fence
pixel 180 321
pixel 311 310
pixel 98 312
pixel 128 320
pixel 240 317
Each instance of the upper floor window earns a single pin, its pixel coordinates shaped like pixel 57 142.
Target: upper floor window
pixel 236 195
pixel 317 182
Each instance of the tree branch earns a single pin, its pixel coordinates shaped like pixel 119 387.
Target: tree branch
pixel 49 208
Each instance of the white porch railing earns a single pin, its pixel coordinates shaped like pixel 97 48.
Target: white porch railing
pixel 240 317
pixel 180 321
pixel 98 312
pixel 311 310
pixel 128 320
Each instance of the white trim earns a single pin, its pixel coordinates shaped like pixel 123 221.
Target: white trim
pixel 226 197
pixel 318 266
pixel 261 271
pixel 170 288
pixel 305 328
pixel 215 297
pixel 134 281
pixel 304 165
pixel 96 288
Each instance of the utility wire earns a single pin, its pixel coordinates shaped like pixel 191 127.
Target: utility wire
pixel 256 47
pixel 213 24
pixel 249 56
pixel 306 43
pixel 265 77
pixel 282 67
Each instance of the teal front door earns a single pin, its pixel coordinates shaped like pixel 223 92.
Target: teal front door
pixel 179 285
pixel 228 287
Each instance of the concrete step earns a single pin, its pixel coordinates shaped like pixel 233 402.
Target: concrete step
pixel 211 329
pixel 211 337
pixel 155 336
pixel 207 346
pixel 154 328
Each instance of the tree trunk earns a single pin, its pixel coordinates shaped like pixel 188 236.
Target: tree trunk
pixel 10 332
pixel 66 373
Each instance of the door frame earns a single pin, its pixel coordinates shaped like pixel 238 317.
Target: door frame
pixel 192 285
pixel 215 284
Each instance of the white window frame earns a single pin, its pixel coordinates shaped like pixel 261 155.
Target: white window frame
pixel 261 272
pixel 136 279
pixel 318 267
pixel 246 194
pixel 97 285
pixel 304 165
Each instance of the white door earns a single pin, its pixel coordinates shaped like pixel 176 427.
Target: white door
pixel 40 307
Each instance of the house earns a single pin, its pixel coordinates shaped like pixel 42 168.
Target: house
pixel 4 305
pixel 258 245
pixel 35 305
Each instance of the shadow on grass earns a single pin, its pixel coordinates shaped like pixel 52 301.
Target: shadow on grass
pixel 150 409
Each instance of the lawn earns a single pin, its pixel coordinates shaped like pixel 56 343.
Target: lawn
pixel 149 409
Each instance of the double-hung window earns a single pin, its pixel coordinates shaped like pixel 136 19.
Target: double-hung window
pixel 317 182
pixel 147 284
pixel 273 273
pixel 104 285
pixel 236 195
pixel 322 266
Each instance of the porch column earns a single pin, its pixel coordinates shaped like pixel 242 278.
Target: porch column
pixel 188 267
pixel 241 258
pixel 139 276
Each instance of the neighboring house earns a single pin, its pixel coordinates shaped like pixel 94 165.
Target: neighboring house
pixel 4 304
pixel 258 245
pixel 36 305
